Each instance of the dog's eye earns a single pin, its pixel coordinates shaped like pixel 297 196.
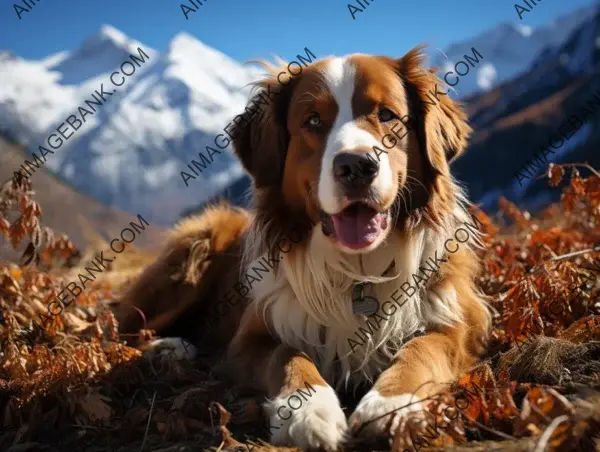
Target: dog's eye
pixel 313 122
pixel 386 115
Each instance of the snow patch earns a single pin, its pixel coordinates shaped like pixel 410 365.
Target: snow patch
pixel 486 76
pixel 525 30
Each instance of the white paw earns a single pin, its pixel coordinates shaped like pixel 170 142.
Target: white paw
pixel 312 420
pixel 174 347
pixel 379 415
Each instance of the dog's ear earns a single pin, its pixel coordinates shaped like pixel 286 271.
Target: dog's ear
pixel 441 124
pixel 261 139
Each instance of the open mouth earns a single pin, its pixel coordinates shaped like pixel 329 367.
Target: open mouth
pixel 357 226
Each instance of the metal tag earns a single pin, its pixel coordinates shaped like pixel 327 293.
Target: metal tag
pixel 363 305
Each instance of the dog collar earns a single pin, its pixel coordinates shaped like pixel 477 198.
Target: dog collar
pixel 366 305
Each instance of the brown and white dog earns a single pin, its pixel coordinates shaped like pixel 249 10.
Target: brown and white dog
pixel 317 162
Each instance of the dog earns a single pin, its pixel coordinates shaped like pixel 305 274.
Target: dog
pixel 344 221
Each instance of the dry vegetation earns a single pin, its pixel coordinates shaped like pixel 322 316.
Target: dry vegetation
pixel 76 385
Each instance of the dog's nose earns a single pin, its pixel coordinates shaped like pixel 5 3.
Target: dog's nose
pixel 355 170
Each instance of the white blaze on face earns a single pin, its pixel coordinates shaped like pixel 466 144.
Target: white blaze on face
pixel 346 136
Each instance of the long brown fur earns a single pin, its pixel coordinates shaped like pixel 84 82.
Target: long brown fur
pixel 202 257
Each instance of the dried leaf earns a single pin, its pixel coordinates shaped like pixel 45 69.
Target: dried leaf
pixel 555 174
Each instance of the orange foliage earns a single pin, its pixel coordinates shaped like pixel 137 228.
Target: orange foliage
pixel 542 281
pixel 541 278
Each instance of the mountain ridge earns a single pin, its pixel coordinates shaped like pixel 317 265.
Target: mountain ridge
pixel 131 152
pixel 508 49
pixel 66 210
pixel 148 130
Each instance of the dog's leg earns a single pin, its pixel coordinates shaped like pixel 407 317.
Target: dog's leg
pixel 418 371
pixel 425 366
pixel 302 409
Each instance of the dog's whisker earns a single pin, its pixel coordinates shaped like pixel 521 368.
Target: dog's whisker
pixel 411 178
pixel 408 191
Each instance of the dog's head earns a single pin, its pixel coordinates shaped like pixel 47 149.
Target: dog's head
pixel 358 144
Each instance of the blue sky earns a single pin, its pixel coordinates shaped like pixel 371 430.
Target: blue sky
pixel 259 28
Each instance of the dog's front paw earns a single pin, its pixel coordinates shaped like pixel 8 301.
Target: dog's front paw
pixel 313 421
pixel 173 347
pixel 377 415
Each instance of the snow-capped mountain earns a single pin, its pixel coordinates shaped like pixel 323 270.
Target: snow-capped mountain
pixel 519 117
pixel 130 152
pixel 556 65
pixel 507 50
pixel 99 54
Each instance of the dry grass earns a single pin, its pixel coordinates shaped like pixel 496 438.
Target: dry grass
pixel 74 384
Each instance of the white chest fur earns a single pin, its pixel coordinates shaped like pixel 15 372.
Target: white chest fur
pixel 308 302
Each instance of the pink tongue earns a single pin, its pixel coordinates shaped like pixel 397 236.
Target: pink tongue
pixel 358 227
